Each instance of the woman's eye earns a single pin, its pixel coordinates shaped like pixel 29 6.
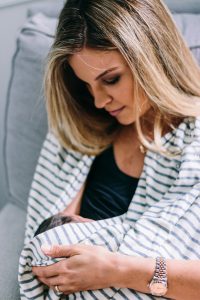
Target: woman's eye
pixel 112 80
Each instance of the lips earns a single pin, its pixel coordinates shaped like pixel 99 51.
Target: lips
pixel 116 112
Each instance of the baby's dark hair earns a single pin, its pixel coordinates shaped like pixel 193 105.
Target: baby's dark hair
pixel 53 222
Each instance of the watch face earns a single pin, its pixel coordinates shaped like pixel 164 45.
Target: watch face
pixel 158 289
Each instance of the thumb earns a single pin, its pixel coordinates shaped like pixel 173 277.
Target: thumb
pixel 59 250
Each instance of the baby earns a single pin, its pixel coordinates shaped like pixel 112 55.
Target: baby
pixel 59 219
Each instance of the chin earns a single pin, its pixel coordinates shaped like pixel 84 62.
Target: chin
pixel 126 121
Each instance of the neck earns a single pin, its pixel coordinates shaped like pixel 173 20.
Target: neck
pixel 128 137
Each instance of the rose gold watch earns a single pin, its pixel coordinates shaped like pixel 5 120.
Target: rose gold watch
pixel 158 284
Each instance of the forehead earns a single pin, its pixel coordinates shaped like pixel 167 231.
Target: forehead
pixel 95 61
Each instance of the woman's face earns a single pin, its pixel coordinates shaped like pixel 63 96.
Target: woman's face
pixel 110 82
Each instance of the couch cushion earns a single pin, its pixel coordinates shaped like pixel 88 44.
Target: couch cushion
pixel 12 224
pixel 51 10
pixel 184 6
pixel 188 25
pixel 26 122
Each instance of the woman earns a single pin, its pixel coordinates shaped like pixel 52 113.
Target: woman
pixel 121 85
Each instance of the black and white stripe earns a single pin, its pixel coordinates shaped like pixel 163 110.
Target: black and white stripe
pixel 163 218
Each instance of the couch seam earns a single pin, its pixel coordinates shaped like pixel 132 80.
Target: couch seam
pixel 6 115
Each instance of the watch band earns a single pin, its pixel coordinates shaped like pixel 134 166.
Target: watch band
pixel 158 284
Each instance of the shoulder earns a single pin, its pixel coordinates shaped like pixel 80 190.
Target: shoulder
pixel 60 156
pixel 189 142
pixel 187 134
pixel 191 132
pixel 193 147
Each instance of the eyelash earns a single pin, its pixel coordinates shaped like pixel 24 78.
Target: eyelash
pixel 107 82
pixel 112 81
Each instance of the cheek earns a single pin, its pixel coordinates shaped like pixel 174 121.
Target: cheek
pixel 129 97
pixel 125 94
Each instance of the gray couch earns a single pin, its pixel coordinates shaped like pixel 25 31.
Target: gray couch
pixel 26 124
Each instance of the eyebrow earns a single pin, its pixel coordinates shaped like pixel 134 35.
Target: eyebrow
pixel 105 72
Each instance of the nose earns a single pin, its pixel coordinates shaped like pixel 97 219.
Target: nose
pixel 101 98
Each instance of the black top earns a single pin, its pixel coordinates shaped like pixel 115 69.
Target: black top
pixel 108 190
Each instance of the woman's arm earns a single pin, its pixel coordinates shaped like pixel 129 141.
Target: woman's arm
pixel 74 207
pixel 136 273
pixel 94 267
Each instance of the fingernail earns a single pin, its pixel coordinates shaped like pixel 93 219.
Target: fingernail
pixel 46 248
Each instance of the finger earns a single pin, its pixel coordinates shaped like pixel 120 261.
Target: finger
pixel 84 219
pixel 60 250
pixel 51 281
pixel 56 281
pixel 47 271
pixel 87 220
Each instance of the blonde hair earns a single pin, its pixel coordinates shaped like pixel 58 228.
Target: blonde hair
pixel 161 63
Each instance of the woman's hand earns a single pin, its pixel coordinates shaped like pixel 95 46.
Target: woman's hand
pixel 77 218
pixel 85 268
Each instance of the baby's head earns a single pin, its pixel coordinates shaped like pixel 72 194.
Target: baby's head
pixel 52 222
